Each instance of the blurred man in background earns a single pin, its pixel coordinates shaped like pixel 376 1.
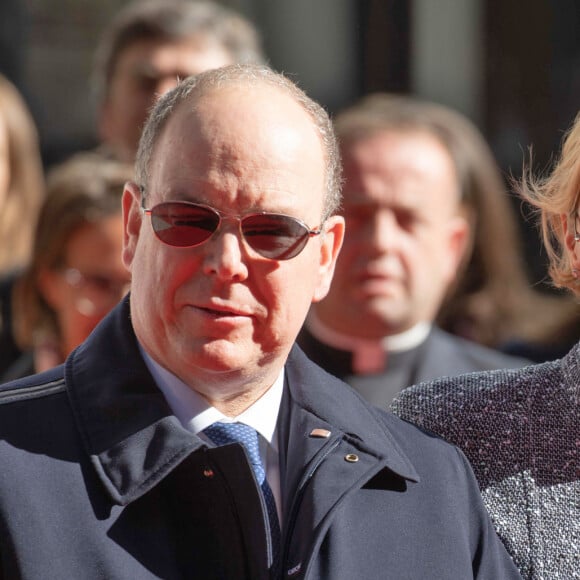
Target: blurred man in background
pixel 409 220
pixel 148 48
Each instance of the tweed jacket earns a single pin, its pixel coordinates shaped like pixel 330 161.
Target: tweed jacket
pixel 99 480
pixel 520 429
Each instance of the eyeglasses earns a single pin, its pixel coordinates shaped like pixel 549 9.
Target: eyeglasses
pixel 184 224
pixel 97 294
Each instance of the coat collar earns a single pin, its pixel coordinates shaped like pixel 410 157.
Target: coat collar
pixel 134 440
pixel 127 427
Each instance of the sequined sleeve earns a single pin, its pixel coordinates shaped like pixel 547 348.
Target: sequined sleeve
pixel 520 430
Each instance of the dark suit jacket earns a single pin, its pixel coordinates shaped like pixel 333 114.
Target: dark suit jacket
pixel 100 480
pixel 441 354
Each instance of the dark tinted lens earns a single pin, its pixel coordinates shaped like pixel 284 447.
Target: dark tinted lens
pixel 182 224
pixel 274 236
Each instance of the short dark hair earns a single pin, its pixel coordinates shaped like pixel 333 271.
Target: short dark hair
pixel 174 20
pixel 379 112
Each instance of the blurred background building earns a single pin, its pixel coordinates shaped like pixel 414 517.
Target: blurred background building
pixel 512 67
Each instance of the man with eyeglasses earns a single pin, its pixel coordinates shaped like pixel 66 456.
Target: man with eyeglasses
pixel 188 437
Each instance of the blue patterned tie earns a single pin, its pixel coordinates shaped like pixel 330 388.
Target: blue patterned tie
pixel 226 433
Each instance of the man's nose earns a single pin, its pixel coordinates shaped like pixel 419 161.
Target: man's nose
pixel 382 230
pixel 224 255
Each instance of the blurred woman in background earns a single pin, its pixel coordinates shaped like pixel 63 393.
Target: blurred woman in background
pixel 21 193
pixel 76 274
pixel 21 179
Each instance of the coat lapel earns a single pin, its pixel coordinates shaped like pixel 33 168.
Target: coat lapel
pixel 319 471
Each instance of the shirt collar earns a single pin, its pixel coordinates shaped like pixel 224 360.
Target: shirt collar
pixel 195 413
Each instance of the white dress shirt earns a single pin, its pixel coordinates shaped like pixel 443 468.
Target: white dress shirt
pixel 195 414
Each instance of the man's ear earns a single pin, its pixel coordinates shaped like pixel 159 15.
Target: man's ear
pixel 330 244
pixel 459 242
pixel 132 220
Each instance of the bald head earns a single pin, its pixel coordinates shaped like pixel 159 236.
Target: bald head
pixel 255 78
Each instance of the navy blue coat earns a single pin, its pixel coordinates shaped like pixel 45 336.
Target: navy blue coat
pixel 99 480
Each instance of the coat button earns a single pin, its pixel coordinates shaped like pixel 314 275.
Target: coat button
pixel 351 457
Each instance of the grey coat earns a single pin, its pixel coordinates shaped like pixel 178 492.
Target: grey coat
pixel 100 481
pixel 520 429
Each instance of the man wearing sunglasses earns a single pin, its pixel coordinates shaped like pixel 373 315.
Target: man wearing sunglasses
pixel 188 437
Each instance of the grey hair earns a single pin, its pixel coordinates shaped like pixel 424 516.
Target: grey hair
pixel 194 87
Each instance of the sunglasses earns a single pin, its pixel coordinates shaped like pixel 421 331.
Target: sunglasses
pixel 184 224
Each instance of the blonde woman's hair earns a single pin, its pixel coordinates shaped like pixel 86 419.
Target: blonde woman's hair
pixel 555 195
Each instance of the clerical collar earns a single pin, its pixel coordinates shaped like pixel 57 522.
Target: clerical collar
pixel 368 356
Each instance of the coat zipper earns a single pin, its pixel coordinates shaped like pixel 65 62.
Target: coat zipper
pixel 300 491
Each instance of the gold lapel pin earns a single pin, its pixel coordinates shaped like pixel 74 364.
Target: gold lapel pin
pixel 322 433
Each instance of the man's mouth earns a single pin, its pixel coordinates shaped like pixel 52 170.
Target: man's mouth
pixel 222 311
